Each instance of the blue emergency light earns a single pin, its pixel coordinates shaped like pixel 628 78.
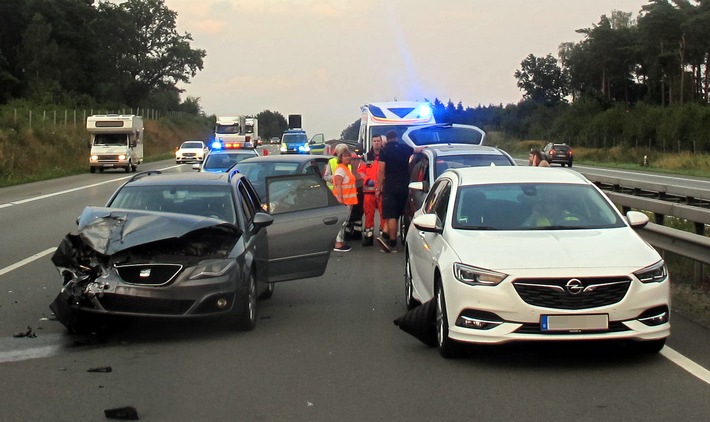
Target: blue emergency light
pixel 424 111
pixel 216 145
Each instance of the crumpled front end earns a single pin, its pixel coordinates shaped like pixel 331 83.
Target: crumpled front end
pixel 146 264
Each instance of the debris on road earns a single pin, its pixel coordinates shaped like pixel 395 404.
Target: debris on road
pixel 100 369
pixel 128 413
pixel 29 334
pixel 420 322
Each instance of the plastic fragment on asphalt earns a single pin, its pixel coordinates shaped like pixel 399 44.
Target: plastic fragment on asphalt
pixel 128 413
pixel 100 369
pixel 29 334
pixel 420 322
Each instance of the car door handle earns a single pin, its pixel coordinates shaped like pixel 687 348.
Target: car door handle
pixel 329 221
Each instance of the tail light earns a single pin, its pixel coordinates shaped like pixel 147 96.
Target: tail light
pixel 571 152
pixel 552 152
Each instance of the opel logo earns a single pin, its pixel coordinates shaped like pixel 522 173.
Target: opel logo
pixel 574 287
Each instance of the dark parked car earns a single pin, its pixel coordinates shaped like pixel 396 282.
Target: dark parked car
pixel 426 166
pixel 257 169
pixel 192 245
pixel 558 153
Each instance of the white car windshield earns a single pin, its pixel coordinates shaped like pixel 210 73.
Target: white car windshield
pixel 532 207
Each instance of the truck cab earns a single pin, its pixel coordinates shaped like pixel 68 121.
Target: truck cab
pixel 116 141
pixel 232 130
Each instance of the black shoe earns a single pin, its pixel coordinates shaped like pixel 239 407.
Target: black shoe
pixel 383 244
pixel 344 248
pixel 384 235
pixel 393 245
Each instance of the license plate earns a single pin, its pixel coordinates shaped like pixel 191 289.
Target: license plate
pixel 108 165
pixel 574 322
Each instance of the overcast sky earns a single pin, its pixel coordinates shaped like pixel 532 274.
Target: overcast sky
pixel 326 58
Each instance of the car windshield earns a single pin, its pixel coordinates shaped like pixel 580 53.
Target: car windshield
pixel 221 162
pixel 530 206
pixel 192 145
pixel 114 139
pixel 382 130
pixel 446 162
pixel 207 201
pixel 290 138
pixel 431 135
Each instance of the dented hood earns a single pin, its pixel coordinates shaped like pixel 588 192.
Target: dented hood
pixel 112 230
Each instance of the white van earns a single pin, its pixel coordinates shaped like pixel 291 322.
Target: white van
pixel 116 141
pixel 379 118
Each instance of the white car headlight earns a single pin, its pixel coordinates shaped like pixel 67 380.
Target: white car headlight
pixel 211 268
pixel 477 276
pixel 655 273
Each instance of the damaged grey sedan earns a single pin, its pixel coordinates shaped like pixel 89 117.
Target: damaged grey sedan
pixel 191 245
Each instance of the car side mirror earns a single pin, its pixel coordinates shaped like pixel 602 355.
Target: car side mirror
pixel 262 219
pixel 637 220
pixel 428 223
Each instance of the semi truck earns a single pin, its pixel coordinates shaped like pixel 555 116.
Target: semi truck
pixel 116 141
pixel 231 131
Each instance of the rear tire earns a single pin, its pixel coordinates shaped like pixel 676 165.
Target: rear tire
pixel 266 294
pixel 128 167
pixel 448 348
pixel 569 164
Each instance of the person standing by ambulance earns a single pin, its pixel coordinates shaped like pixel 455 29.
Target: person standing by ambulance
pixel 371 202
pixel 345 191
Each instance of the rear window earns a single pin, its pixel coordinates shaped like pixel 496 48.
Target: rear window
pixel 433 135
pixel 444 163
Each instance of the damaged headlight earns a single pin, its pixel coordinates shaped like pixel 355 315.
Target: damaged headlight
pixel 212 268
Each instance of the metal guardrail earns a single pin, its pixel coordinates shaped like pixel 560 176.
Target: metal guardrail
pixel 687 203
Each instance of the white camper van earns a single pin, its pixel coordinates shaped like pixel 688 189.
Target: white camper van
pixel 116 141
pixel 380 118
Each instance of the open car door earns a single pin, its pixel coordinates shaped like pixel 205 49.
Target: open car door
pixel 307 217
pixel 317 144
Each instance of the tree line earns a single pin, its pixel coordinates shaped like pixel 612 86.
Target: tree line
pixel 84 53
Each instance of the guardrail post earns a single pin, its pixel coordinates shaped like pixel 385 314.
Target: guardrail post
pixel 659 218
pixel 699 228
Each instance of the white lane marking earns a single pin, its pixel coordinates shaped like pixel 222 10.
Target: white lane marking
pixel 26 261
pixel 30 353
pixel 49 195
pixel 687 364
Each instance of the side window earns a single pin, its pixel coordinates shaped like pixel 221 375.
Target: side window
pixel 248 204
pixel 433 196
pixel 442 201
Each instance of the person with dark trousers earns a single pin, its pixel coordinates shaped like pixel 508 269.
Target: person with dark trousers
pixel 371 203
pixel 392 185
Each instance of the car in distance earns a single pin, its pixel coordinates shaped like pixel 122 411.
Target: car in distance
pixel 219 160
pixel 191 152
pixel 558 153
pixel 433 160
pixel 295 141
pixel 258 169
pixel 523 254
pixel 186 245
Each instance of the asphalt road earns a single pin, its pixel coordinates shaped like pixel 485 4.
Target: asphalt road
pixel 324 349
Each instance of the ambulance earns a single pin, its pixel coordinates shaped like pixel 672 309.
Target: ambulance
pixel 379 118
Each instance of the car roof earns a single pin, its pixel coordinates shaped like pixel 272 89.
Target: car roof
pixel 516 174
pixel 180 179
pixel 299 158
pixel 245 151
pixel 461 149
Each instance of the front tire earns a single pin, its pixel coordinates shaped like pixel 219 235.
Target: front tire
pixel 92 169
pixel 246 317
pixel 448 348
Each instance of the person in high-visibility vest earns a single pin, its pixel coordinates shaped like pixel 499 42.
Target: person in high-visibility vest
pixel 333 164
pixel 371 202
pixel 345 191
